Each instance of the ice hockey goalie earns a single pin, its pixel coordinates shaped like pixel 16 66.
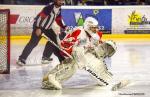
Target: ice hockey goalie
pixel 88 52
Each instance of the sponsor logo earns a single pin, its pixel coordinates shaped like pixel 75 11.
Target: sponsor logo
pixel 17 19
pixel 25 19
pixel 138 23
pixel 136 18
pixel 76 17
pixel 80 20
pixel 95 75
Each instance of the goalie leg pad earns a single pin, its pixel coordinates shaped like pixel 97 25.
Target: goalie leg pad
pixel 97 68
pixel 52 80
pixel 47 85
pixel 59 74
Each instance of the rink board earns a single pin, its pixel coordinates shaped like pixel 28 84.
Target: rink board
pixel 115 37
pixel 112 19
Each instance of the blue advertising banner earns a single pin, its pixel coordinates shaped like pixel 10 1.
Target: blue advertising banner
pixel 76 17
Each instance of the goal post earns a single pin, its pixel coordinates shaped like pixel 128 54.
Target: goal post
pixel 4 41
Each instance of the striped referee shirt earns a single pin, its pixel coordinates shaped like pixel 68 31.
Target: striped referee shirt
pixel 47 16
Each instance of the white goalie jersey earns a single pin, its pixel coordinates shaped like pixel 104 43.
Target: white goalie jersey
pixel 88 54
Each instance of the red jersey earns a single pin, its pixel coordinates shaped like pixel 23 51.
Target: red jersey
pixel 68 42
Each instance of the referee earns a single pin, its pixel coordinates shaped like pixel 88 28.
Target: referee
pixel 43 24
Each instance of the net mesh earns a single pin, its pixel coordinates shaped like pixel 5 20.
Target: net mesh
pixel 3 41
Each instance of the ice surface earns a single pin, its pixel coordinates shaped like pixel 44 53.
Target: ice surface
pixel 131 61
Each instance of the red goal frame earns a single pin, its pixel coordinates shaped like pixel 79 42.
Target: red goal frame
pixel 7 11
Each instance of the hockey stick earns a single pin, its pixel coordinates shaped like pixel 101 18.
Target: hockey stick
pixel 57 46
pixel 120 85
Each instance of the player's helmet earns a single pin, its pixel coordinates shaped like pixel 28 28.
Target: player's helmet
pixel 59 2
pixel 111 47
pixel 90 24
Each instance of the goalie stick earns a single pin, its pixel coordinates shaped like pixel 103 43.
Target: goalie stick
pixel 57 46
pixel 120 85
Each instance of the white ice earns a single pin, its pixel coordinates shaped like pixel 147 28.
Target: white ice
pixel 131 61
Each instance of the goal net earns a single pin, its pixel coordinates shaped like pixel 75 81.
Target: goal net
pixel 4 41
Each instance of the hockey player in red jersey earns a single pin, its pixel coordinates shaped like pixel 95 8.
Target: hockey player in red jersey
pixel 88 53
pixel 90 29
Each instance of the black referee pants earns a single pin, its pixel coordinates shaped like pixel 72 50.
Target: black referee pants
pixel 49 47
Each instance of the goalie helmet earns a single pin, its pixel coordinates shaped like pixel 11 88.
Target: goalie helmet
pixel 110 47
pixel 90 24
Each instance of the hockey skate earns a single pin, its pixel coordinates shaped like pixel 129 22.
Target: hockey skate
pixel 46 60
pixel 51 83
pixel 20 62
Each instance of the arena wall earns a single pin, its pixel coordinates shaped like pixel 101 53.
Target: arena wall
pixel 112 19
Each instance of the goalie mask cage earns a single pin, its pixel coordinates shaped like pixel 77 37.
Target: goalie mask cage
pixel 4 41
